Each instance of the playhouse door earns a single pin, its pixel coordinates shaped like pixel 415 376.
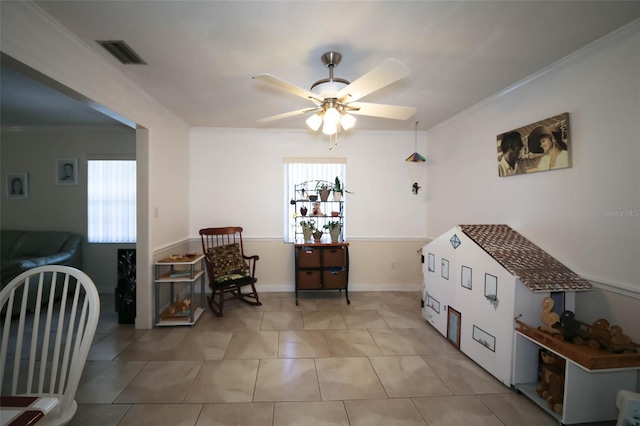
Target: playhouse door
pixel 453 327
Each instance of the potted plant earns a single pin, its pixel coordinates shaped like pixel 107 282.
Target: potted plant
pixel 302 189
pixel 334 228
pixel 308 227
pixel 323 188
pixel 338 190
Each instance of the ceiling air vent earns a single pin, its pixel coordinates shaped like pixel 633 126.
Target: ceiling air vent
pixel 122 52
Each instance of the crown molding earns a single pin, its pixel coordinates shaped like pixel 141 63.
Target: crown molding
pixel 54 128
pixel 618 288
pixel 588 50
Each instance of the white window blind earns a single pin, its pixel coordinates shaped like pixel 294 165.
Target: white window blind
pixel 111 201
pixel 299 170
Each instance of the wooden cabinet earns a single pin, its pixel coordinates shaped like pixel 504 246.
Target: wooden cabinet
pixel 179 272
pixel 322 266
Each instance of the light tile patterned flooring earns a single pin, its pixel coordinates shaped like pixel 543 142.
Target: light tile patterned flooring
pixel 374 362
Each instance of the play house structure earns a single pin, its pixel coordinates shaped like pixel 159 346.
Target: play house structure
pixel 478 278
pixel 498 298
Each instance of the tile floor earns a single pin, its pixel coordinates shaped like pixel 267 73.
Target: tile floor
pixel 374 362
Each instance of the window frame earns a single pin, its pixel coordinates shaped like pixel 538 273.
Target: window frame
pixel 129 234
pixel 334 166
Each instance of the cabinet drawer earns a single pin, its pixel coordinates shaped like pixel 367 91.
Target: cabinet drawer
pixel 308 280
pixel 333 256
pixel 308 257
pixel 334 278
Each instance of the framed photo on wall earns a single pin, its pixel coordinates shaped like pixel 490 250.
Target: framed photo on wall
pixel 17 186
pixel 536 147
pixel 67 171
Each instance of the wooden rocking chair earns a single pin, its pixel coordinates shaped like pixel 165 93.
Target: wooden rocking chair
pixel 228 268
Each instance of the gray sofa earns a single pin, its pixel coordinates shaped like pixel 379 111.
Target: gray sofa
pixel 23 250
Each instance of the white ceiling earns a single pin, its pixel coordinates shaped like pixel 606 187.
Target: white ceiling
pixel 201 55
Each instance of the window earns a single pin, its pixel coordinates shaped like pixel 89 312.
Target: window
pixel 111 201
pixel 300 170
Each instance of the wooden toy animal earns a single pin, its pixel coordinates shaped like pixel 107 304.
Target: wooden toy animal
pixel 570 326
pixel 548 317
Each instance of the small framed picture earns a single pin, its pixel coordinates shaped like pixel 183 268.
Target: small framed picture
pixel 67 171
pixel 17 186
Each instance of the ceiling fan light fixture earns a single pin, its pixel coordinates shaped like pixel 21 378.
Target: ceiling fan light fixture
pixel 331 121
pixel 329 130
pixel 314 122
pixel 347 121
pixel 332 117
pixel 336 99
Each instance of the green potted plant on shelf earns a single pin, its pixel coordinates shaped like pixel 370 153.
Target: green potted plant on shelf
pixel 334 228
pixel 339 190
pixel 323 188
pixel 308 228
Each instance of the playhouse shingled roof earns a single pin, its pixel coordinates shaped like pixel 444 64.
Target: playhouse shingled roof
pixel 537 269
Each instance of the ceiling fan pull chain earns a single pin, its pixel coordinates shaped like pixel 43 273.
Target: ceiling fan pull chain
pixel 333 140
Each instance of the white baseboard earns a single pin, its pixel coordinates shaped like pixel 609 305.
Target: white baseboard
pixel 283 288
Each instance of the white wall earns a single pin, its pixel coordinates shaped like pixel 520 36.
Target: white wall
pixel 237 175
pixel 33 38
pixel 60 207
pixel 237 178
pixel 562 211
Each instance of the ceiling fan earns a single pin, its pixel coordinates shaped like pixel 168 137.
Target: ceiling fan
pixel 335 99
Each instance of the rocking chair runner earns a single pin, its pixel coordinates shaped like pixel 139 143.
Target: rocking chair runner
pixel 228 268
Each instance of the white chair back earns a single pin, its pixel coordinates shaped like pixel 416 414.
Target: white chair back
pixel 43 353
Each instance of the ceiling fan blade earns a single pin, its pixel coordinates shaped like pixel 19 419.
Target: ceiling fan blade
pixel 381 110
pixel 287 115
pixel 281 84
pixel 384 74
